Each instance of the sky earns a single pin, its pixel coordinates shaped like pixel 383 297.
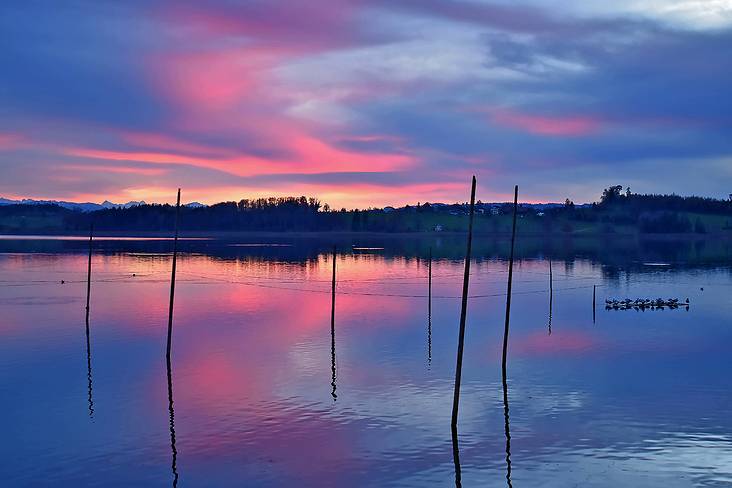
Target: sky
pixel 364 103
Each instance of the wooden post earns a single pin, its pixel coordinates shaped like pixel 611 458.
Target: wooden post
pixel 551 296
pixel 505 339
pixel 510 281
pixel 332 331
pixel 334 275
pixel 429 284
pixel 593 302
pixel 172 277
pixel 88 341
pixel 429 312
pixel 463 312
pixel 88 274
pixel 551 277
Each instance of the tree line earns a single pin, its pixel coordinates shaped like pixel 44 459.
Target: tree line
pixel 646 213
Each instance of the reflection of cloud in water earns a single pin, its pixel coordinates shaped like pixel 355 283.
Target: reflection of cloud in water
pixel 260 245
pixel 563 342
pixel 590 406
pixel 304 433
pixel 541 401
pixel 38 300
pixel 707 456
pixel 677 460
pixel 306 358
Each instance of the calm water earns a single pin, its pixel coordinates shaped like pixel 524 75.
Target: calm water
pixel 267 391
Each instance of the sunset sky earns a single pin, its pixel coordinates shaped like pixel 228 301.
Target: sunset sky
pixel 364 103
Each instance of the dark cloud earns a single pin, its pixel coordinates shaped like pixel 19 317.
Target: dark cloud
pixel 526 19
pixel 75 61
pixel 659 93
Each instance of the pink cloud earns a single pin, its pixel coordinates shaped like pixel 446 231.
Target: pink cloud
pixel 161 142
pixel 543 125
pixel 115 169
pixel 11 140
pixel 214 80
pixel 373 138
pixel 277 22
pixel 146 157
pixel 310 156
pixel 318 157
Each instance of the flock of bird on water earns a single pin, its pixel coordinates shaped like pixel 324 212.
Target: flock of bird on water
pixel 644 303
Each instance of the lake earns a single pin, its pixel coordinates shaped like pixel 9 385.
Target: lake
pixel 269 386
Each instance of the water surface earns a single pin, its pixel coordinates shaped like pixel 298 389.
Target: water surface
pixel 271 387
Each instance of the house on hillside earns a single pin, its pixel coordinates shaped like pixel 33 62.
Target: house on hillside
pixel 521 211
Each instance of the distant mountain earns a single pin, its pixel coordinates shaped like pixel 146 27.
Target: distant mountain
pixel 84 207
pixel 536 206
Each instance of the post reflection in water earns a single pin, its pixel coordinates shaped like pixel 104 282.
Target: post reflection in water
pixel 332 331
pixel 456 457
pixel 88 342
pixel 172 422
pixel 333 356
pixel 88 364
pixel 508 433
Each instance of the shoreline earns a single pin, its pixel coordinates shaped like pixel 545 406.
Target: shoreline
pixel 235 235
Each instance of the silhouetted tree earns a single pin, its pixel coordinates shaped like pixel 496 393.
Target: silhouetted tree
pixel 611 194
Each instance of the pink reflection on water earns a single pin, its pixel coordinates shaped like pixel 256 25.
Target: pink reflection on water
pixel 562 342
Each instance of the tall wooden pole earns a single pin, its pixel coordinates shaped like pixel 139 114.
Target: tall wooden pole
pixel 429 311
pixel 429 284
pixel 551 296
pixel 88 273
pixel 172 277
pixel 333 286
pixel 551 277
pixel 463 312
pixel 505 339
pixel 88 341
pixel 510 281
